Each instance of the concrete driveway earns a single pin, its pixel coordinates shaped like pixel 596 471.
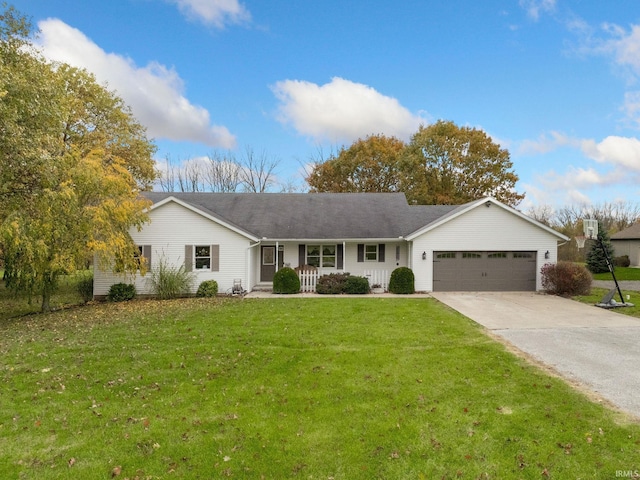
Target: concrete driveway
pixel 595 348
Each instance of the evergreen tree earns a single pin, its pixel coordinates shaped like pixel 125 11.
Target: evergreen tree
pixel 596 259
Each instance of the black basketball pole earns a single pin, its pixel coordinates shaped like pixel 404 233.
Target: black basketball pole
pixel 610 266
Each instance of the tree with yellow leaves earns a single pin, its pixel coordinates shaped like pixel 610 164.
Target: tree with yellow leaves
pixel 73 161
pixel 368 165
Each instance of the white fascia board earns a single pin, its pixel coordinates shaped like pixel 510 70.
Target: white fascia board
pixel 336 240
pixel 477 204
pixel 205 215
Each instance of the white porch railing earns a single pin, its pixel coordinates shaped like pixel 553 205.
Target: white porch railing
pixel 378 277
pixel 309 279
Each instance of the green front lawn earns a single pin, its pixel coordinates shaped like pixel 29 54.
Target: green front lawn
pixel 289 388
pixel 622 273
pixel 597 294
pixel 12 305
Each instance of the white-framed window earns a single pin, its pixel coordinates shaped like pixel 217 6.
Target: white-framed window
pixel 321 256
pixel 371 253
pixel 202 257
pixel 269 256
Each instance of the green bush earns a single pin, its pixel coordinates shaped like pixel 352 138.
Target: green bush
pixel 85 288
pixel 356 285
pixel 168 281
pixel 566 278
pixel 208 288
pixel 121 292
pixel 331 284
pixel 286 281
pixel 339 283
pixel 402 281
pixel 596 259
pixel 622 261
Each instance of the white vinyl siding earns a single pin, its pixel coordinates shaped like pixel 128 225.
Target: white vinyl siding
pixel 171 229
pixel 489 229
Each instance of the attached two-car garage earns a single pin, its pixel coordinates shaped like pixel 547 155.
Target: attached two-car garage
pixel 484 271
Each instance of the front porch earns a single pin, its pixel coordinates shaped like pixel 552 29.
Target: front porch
pixel 378 279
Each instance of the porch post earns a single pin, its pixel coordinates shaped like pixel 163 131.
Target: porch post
pixel 277 254
pixel 344 256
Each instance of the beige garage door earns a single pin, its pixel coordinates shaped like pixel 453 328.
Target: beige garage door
pixel 484 271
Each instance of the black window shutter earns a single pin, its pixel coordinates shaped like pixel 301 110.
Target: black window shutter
pixel 301 254
pixel 381 252
pixel 146 253
pixel 340 257
pixel 188 258
pixel 361 252
pixel 215 258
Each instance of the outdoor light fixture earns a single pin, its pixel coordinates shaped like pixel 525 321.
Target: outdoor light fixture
pixel 424 255
pixel 546 254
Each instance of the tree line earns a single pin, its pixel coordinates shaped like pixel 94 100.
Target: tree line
pixel 442 164
pixel 612 217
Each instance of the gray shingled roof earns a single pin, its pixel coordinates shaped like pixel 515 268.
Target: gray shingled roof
pixel 631 233
pixel 314 215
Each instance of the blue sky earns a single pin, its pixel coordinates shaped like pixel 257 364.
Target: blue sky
pixel 556 82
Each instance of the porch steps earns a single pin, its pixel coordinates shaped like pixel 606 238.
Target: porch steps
pixel 263 287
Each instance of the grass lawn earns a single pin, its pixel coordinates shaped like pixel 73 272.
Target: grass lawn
pixel 598 293
pixel 622 273
pixel 330 388
pixel 12 305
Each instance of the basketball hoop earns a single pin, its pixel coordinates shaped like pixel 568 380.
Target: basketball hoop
pixel 580 239
pixel 590 227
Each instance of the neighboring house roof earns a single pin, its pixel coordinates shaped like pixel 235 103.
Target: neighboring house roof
pixel 631 233
pixel 286 216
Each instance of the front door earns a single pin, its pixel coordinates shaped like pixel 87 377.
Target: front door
pixel 268 263
pixel 268 260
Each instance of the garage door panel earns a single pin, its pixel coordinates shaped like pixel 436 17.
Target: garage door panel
pixel 484 271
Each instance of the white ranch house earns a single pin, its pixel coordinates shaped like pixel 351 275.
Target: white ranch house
pixel 247 237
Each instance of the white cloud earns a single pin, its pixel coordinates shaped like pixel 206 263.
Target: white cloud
pixel 342 110
pixel 154 92
pixel 626 47
pixel 622 46
pixel 535 8
pixel 214 12
pixel 544 144
pixel 579 178
pixel 621 152
pixel 615 164
pixel 631 108
pixel 570 186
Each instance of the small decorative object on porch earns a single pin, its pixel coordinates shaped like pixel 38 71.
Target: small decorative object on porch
pixel 237 289
pixel 377 288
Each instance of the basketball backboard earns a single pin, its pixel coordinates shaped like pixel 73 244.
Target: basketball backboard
pixel 590 228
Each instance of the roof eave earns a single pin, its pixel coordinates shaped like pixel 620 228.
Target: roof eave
pixel 336 240
pixel 472 205
pixel 206 215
